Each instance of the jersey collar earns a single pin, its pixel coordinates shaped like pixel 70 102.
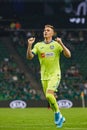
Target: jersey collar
pixel 48 42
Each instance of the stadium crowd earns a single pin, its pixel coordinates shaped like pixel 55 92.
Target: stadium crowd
pixel 13 83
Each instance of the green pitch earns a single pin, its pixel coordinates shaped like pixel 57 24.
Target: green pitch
pixel 41 119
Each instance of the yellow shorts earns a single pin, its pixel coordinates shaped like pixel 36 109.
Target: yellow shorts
pixel 51 84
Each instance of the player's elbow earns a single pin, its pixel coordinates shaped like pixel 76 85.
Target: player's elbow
pixel 68 54
pixel 29 57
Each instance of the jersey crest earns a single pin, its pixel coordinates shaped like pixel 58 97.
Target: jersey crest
pixel 52 47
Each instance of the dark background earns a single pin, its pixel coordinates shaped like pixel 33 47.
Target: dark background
pixel 36 13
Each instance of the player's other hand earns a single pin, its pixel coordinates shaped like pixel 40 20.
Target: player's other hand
pixel 59 40
pixel 31 40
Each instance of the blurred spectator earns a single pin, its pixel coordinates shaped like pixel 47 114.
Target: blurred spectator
pixel 18 25
pixel 12 26
pixel 81 36
pixel 73 71
pixel 85 89
pixel 28 34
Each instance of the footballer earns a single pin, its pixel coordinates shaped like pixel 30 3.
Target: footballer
pixel 48 52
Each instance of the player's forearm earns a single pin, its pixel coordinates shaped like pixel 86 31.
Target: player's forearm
pixel 29 53
pixel 66 51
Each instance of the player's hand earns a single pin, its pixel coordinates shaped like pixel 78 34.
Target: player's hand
pixel 31 41
pixel 59 40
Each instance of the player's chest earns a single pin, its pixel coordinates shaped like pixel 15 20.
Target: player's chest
pixel 47 51
pixel 46 48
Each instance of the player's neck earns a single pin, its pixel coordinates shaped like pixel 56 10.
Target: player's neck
pixel 47 40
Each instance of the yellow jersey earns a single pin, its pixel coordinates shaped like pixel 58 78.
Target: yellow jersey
pixel 49 58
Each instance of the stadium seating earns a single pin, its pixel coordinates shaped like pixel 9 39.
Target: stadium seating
pixel 13 83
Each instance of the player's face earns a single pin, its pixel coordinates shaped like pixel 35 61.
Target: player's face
pixel 48 32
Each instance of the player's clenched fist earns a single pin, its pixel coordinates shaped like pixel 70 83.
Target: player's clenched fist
pixel 58 40
pixel 31 40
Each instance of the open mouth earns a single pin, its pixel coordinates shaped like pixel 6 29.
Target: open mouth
pixel 45 34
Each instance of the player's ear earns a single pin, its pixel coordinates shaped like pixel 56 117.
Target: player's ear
pixel 54 35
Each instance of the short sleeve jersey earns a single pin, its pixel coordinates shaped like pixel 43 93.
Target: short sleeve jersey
pixel 49 58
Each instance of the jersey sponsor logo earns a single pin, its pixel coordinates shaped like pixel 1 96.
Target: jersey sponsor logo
pixel 49 54
pixel 42 55
pixel 52 47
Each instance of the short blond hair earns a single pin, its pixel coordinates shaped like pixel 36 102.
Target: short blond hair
pixel 50 26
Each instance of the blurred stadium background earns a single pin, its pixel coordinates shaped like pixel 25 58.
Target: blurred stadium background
pixel 20 78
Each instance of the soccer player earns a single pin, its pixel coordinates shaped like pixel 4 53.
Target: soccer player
pixel 48 52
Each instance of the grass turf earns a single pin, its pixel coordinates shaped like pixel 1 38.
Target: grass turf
pixel 41 119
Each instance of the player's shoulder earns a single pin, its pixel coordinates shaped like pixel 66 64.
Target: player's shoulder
pixel 39 43
pixel 55 43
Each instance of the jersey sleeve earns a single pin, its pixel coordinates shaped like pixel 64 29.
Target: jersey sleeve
pixel 60 49
pixel 34 50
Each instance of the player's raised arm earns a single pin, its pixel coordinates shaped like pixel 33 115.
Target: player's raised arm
pixel 30 55
pixel 66 51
